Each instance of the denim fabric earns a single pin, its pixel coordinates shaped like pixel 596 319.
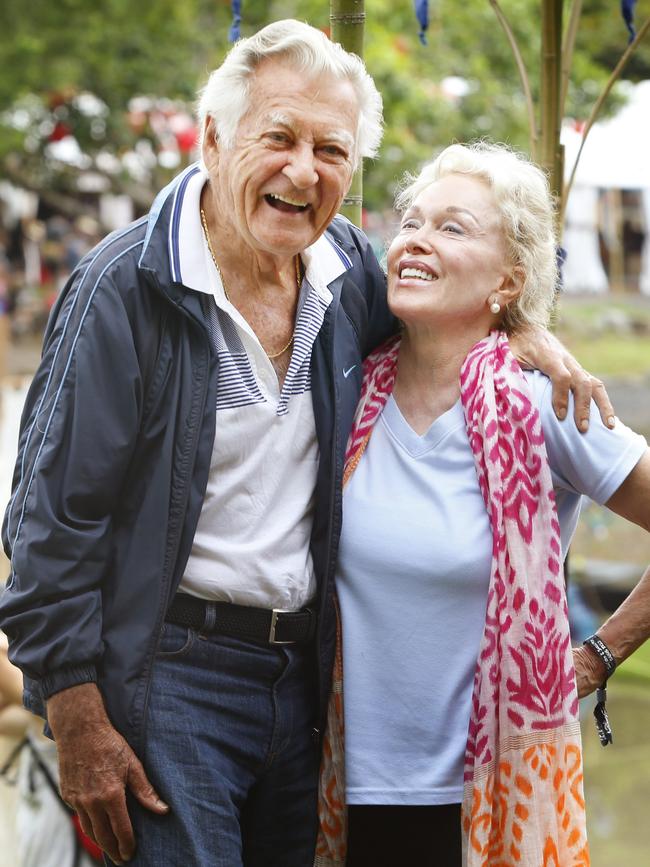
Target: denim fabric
pixel 229 748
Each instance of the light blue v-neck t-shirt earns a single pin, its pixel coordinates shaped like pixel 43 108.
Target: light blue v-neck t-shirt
pixel 414 567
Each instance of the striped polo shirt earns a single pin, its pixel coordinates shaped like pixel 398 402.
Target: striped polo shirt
pixel 252 542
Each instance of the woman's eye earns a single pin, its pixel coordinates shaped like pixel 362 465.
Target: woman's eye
pixel 454 228
pixel 409 224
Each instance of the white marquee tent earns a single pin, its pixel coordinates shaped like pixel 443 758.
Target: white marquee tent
pixel 616 156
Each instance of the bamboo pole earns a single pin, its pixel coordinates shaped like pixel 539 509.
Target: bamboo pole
pixel 551 152
pixel 347 22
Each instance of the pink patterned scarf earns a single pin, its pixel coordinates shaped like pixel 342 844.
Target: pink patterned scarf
pixel 523 803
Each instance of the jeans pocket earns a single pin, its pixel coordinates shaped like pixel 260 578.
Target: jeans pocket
pixel 175 640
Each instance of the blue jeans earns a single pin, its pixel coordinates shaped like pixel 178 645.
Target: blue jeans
pixel 229 748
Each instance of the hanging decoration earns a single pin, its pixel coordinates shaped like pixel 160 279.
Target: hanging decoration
pixel 627 11
pixel 234 33
pixel 422 13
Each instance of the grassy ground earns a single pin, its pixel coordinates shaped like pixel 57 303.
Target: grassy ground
pixel 617 778
pixel 617 355
pixel 636 670
pixel 610 336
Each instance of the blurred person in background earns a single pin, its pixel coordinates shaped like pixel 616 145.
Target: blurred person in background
pixel 5 306
pixel 46 835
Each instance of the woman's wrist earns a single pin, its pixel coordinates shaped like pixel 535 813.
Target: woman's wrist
pixel 598 648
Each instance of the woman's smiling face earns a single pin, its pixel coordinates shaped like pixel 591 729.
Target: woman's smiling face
pixel 449 256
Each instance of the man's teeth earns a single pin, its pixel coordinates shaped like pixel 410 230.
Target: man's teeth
pixel 287 200
pixel 418 273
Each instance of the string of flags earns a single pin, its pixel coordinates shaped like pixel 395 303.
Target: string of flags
pixel 421 8
pixel 422 14
pixel 627 10
pixel 235 28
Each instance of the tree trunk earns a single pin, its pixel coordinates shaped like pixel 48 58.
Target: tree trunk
pixel 347 20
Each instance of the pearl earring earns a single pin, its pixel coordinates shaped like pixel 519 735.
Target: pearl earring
pixel 495 307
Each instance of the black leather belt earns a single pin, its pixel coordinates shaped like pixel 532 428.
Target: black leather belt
pixel 271 626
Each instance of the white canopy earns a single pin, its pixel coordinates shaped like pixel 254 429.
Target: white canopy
pixel 616 155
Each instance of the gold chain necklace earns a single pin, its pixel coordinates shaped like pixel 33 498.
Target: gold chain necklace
pixel 296 262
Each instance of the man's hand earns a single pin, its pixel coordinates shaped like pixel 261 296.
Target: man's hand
pixel 590 671
pixel 96 766
pixel 538 348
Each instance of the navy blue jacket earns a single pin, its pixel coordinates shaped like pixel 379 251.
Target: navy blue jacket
pixel 114 454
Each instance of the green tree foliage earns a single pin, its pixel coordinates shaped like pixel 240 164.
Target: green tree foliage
pixel 52 52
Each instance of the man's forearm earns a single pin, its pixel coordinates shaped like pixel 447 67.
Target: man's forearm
pixel 538 348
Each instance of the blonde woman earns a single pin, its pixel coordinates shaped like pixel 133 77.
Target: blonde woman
pixel 462 495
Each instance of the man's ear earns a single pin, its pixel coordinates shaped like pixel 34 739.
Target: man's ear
pixel 210 142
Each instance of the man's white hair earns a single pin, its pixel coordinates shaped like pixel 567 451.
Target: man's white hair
pixel 525 204
pixel 225 97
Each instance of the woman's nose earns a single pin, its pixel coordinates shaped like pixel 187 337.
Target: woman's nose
pixel 419 241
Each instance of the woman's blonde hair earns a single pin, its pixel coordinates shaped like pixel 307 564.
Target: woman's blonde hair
pixel 525 204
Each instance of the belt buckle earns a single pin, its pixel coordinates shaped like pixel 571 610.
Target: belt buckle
pixel 274 619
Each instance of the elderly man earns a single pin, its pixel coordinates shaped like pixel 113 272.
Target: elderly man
pixel 176 507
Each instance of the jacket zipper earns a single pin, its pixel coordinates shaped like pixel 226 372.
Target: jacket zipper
pixel 329 574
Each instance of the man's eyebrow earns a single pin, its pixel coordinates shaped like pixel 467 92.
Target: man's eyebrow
pixel 277 118
pixel 342 136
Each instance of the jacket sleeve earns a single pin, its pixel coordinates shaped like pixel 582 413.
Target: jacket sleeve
pixel 77 436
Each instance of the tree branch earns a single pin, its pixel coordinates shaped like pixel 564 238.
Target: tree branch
pixel 523 75
pixel 567 50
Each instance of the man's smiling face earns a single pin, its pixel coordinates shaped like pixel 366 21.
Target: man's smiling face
pixel 285 177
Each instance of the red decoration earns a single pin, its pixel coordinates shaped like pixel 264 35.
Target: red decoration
pixel 61 130
pixel 89 845
pixel 187 139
